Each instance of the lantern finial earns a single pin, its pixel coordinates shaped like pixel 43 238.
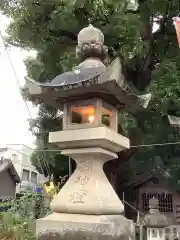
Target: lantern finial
pixel 91 46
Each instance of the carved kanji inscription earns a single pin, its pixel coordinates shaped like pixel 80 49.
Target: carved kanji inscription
pixel 78 197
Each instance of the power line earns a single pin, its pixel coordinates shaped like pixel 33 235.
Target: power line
pixel 29 112
pixel 19 88
pixel 57 150
pixel 133 146
pixel 18 151
pixel 15 73
pixel 155 144
pixel 135 209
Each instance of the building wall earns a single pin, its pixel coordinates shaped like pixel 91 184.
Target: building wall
pixel 151 187
pixel 20 157
pixel 7 185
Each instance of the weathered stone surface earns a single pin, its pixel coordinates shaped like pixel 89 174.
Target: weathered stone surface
pixel 155 219
pixel 102 137
pixel 87 207
pixel 84 227
pixel 88 191
pixel 92 63
pixel 90 34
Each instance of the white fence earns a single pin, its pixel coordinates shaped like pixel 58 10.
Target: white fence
pixel 172 232
pixel 168 233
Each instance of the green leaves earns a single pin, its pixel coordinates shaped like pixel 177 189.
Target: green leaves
pixel 147 56
pixel 18 222
pixel 17 225
pixel 165 85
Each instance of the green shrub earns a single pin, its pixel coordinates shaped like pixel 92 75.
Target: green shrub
pixel 18 222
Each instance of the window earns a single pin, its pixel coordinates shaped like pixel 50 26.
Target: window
pixel 34 177
pixel 106 117
pixel 83 114
pixel 13 157
pixel 25 175
pixel 165 201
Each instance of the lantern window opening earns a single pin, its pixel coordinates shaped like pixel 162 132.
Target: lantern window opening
pixel 82 114
pixel 106 116
pixel 109 116
pixel 86 113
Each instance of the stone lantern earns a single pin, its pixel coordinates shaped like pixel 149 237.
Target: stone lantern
pixel 90 97
pixel 155 221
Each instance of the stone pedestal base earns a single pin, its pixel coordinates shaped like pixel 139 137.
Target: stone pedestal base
pixel 88 190
pixel 62 226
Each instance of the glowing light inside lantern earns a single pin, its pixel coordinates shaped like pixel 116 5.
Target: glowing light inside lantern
pixel 91 119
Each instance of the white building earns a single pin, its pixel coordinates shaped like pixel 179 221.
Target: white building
pixel 20 157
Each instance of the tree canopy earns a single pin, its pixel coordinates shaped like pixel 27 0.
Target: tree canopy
pixel 141 33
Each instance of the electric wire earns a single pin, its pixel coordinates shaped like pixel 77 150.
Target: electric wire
pixel 21 153
pixel 132 146
pixel 15 73
pixel 56 150
pixel 29 112
pixel 19 88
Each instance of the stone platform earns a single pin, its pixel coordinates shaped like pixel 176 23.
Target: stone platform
pixel 63 226
pixel 91 137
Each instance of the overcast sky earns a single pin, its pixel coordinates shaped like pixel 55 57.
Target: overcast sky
pixel 13 112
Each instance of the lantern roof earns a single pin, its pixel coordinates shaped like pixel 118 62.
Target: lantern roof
pixel 74 77
pixel 91 78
